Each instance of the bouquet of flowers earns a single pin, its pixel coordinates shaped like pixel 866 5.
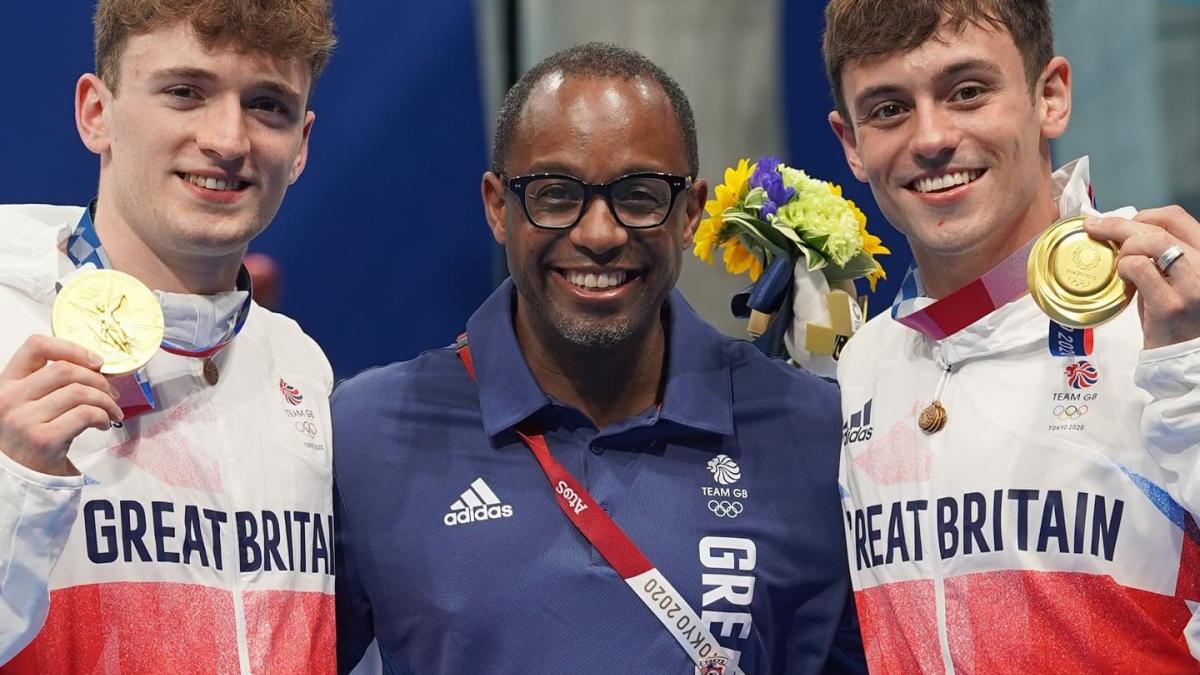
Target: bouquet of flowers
pixel 797 237
pixel 769 210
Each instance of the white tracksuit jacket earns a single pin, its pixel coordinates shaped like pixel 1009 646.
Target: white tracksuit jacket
pixel 200 537
pixel 1049 526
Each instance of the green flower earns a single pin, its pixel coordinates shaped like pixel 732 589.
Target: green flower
pixel 820 217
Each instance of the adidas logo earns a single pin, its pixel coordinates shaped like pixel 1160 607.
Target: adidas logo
pixel 477 504
pixel 859 427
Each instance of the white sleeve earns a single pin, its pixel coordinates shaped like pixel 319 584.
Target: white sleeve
pixel 1171 421
pixel 37 512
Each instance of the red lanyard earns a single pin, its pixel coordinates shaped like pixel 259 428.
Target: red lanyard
pixel 621 553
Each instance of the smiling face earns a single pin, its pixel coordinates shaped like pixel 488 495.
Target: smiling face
pixel 597 283
pixel 198 144
pixel 954 145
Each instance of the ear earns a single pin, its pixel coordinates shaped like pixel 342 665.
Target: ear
pixel 696 197
pixel 302 155
pixel 92 98
pixel 845 133
pixel 494 206
pixel 1053 97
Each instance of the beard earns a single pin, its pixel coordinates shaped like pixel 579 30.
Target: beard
pixel 587 332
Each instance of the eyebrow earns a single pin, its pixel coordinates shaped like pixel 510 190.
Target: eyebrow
pixel 949 72
pixel 189 73
pixel 558 168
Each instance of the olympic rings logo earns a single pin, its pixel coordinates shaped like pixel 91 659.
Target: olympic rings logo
pixel 724 509
pixel 307 428
pixel 1070 412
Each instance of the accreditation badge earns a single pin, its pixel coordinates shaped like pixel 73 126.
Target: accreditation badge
pixel 715 665
pixel 1073 278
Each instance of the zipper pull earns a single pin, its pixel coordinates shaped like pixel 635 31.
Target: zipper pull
pixel 933 417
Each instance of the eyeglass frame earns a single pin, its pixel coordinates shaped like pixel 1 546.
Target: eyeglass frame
pixel 518 184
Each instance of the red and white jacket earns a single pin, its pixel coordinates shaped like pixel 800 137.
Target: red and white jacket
pixel 200 536
pixel 1049 526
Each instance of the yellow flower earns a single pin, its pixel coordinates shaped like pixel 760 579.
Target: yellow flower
pixel 705 240
pixel 871 244
pixel 875 275
pixel 739 259
pixel 727 195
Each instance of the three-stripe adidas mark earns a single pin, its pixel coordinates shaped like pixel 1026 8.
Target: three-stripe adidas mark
pixel 477 504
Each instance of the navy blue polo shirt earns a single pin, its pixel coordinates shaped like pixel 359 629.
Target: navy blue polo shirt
pixel 453 553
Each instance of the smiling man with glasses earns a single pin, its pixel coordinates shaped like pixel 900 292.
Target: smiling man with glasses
pixel 592 479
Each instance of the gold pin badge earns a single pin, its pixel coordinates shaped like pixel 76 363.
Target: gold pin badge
pixel 1073 277
pixel 932 418
pixel 111 314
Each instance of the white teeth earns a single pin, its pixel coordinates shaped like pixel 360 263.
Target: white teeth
pixel 211 183
pixel 947 181
pixel 592 280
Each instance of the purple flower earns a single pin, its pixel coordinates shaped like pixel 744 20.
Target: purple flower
pixel 766 176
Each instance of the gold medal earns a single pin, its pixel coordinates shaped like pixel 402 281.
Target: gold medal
pixel 1073 277
pixel 111 314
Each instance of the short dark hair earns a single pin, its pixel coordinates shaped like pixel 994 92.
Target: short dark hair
pixel 593 59
pixel 864 29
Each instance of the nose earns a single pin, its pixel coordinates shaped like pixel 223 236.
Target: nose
pixel 222 134
pixel 935 136
pixel 598 233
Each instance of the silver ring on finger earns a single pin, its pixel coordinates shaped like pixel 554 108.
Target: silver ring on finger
pixel 1163 262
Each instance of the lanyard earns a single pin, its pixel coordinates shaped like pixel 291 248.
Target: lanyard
pixel 650 586
pixel 999 286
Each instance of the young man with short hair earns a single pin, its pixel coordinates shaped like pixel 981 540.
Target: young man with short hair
pixel 179 519
pixel 1024 499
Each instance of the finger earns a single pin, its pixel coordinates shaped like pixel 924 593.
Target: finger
pixel 1150 244
pixel 1176 221
pixel 1140 271
pixel 37 350
pixel 1114 229
pixel 67 426
pixel 59 401
pixel 59 374
pixel 1182 274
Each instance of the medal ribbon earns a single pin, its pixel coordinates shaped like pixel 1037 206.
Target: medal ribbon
pixel 650 586
pixel 999 286
pixel 83 248
pixel 1002 284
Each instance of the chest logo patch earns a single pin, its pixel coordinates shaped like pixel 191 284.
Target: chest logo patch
pixel 1081 375
pixel 290 394
pixel 724 470
pixel 475 505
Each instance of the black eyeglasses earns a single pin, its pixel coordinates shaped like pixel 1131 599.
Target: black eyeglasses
pixel 638 200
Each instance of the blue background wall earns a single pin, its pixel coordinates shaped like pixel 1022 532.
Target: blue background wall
pixel 812 145
pixel 382 241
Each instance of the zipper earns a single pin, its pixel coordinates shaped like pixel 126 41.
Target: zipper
pixel 939 585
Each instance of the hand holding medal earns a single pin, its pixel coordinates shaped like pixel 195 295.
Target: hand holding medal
pixel 1159 255
pixel 105 323
pixel 50 392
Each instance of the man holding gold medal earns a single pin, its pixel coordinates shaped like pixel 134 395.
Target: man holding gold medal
pixel 592 479
pixel 1020 490
pixel 165 492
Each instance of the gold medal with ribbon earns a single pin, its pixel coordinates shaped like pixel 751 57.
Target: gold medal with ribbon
pixel 111 314
pixel 1073 278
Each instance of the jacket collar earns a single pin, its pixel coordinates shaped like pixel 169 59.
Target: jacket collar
pixel 697 392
